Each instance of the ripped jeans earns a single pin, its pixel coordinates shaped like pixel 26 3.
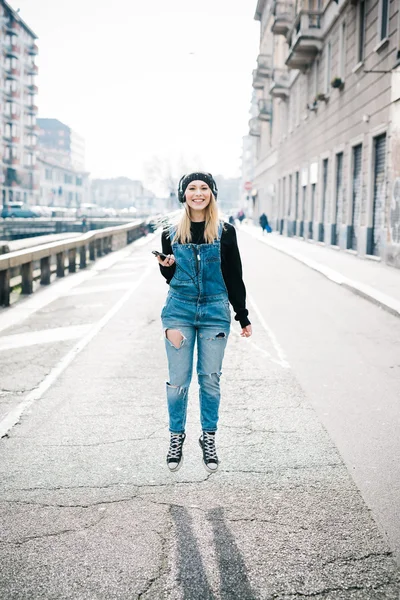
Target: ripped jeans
pixel 208 324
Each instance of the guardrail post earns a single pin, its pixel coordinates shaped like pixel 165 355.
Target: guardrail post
pixel 82 257
pixel 72 260
pixel 107 245
pixel 99 247
pixel 5 288
pixel 92 250
pixel 60 264
pixel 27 277
pixel 45 271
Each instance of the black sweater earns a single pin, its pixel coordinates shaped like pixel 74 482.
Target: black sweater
pixel 231 266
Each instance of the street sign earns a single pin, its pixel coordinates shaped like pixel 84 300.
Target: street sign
pixel 248 185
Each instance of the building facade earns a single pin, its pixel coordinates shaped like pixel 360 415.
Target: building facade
pixel 328 90
pixel 62 142
pixel 60 185
pixel 19 177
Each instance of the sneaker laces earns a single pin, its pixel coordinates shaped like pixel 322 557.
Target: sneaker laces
pixel 210 450
pixel 175 446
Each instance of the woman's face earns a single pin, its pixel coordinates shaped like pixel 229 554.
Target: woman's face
pixel 198 195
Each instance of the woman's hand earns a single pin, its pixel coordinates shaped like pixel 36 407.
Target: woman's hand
pixel 168 262
pixel 246 331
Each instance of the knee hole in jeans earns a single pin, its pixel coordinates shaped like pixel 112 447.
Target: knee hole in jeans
pixel 175 338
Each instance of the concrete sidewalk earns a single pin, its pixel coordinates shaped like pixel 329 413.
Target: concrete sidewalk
pixel 368 278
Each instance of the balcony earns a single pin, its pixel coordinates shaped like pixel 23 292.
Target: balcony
pixel 254 127
pixel 280 84
pixel 10 95
pixel 12 28
pixel 32 109
pixel 258 83
pixel 32 89
pixel 283 17
pixel 12 73
pixel 12 50
pixel 11 160
pixel 32 49
pixel 265 109
pixel 12 118
pixel 32 70
pixel 264 66
pixel 11 140
pixel 305 39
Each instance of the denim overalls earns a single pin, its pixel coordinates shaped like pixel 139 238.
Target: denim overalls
pixel 197 305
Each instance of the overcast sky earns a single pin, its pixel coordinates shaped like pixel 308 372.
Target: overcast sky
pixel 147 78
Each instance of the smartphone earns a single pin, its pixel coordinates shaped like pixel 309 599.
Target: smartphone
pixel 160 254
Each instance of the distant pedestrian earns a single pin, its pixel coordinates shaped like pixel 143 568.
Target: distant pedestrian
pixel 265 226
pixel 204 273
pixel 241 216
pixel 232 220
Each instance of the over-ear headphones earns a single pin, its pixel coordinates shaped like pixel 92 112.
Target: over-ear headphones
pixel 186 179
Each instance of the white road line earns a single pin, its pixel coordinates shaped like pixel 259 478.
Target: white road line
pixel 44 336
pixel 25 307
pixel 282 360
pixel 14 415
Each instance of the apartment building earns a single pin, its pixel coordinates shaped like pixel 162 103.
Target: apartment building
pixel 328 148
pixel 62 142
pixel 19 178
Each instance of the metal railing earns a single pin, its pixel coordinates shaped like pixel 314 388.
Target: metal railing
pixel 20 265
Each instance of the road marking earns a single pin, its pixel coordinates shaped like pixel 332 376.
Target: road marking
pixel 44 336
pixel 25 307
pixel 14 415
pixel 282 360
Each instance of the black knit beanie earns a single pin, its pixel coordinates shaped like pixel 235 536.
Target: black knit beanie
pixel 186 179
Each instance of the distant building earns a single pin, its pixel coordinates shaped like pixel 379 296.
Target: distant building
pixel 249 159
pixel 61 185
pixel 122 192
pixel 59 141
pixel 228 193
pixel 18 173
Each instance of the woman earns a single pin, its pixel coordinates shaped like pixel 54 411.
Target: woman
pixel 204 273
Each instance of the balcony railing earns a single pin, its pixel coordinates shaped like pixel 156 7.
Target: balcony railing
pixel 32 89
pixel 12 72
pixel 12 50
pixel 305 39
pixel 32 109
pixel 283 17
pixel 258 82
pixel 11 140
pixel 264 66
pixel 11 160
pixel 265 109
pixel 12 28
pixel 254 127
pixel 280 84
pixel 12 117
pixel 32 49
pixel 32 70
pixel 11 95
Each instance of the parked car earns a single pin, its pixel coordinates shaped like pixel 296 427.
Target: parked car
pixel 18 209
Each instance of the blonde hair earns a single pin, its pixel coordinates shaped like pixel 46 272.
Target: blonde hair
pixel 212 220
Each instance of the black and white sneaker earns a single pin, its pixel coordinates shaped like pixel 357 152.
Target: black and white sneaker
pixel 175 456
pixel 207 444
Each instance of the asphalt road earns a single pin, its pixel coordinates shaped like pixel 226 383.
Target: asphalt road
pixel 307 441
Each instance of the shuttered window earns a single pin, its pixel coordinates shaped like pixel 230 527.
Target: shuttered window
pixel 356 195
pixel 378 214
pixel 339 194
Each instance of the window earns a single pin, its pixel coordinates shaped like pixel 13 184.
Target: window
pixel 79 181
pixel 328 68
pixel 342 50
pixel 384 19
pixel 48 174
pixel 361 31
pixel 339 197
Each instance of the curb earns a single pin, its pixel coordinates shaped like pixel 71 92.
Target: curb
pixel 365 291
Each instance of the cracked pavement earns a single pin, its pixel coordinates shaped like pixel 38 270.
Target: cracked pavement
pixel 88 510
